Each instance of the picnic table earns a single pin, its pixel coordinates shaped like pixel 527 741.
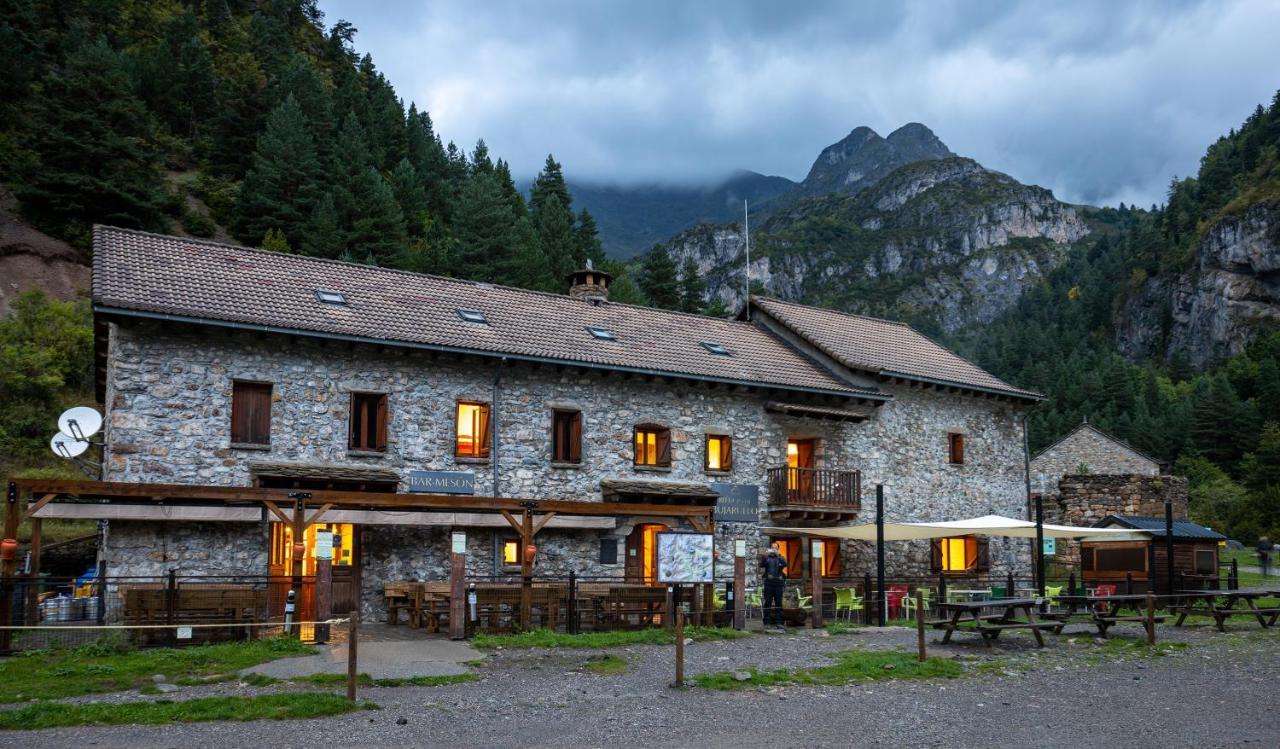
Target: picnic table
pixel 1103 611
pixel 990 625
pixel 1206 602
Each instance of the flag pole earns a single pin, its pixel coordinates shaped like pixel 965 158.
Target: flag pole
pixel 746 233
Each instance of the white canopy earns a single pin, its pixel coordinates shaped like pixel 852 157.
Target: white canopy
pixel 987 525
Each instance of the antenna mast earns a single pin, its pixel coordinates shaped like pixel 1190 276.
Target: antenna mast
pixel 746 230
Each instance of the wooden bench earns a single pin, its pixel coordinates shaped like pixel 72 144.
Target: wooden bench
pixel 147 606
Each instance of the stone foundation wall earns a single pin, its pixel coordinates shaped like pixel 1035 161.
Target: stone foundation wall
pixel 1085 499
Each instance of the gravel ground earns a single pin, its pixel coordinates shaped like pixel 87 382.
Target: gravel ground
pixel 1220 690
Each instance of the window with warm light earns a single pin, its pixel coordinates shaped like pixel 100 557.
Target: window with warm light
pixel 473 433
pixel 959 554
pixel 511 552
pixel 719 452
pixel 652 446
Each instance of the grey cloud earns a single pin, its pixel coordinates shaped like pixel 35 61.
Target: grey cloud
pixel 1099 101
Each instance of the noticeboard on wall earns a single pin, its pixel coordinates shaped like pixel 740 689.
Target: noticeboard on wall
pixel 738 503
pixel 686 557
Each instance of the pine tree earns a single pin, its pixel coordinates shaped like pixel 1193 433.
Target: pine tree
pixel 484 228
pixel 550 181
pixel 412 198
pixel 658 279
pixel 692 288
pixel 176 76
pixel 97 162
pixel 377 230
pixel 715 307
pixel 276 241
pixel 300 80
pixel 586 241
pixel 322 235
pixel 241 107
pixel 555 237
pixel 281 188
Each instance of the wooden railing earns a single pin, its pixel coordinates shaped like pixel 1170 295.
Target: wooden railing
pixel 815 487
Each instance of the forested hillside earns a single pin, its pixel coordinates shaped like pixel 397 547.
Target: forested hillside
pixel 1220 426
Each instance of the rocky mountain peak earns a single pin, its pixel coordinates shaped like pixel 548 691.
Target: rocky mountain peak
pixel 863 157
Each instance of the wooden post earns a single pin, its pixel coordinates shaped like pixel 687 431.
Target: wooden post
pixel 171 607
pixel 101 580
pixel 526 570
pixel 33 576
pixel 457 587
pixel 942 586
pixel 1039 547
pixel 324 597
pixel 1128 583
pixel 299 534
pixel 9 565
pixel 1168 546
pixel 353 643
pixel 920 624
pixel 815 581
pixel 1008 584
pixel 669 620
pixel 1071 584
pixel 571 605
pixel 1151 617
pixel 708 604
pixel 679 682
pixel 866 598
pixel 739 585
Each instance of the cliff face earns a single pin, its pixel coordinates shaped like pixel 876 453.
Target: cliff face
pixel 863 158
pixel 942 241
pixel 1216 309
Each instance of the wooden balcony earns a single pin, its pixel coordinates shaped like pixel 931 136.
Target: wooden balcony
pixel 814 494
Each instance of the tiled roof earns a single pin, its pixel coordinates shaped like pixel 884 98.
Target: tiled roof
pixel 205 281
pixel 883 347
pixel 1181 528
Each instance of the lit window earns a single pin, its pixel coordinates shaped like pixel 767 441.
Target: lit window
pixel 653 446
pixel 473 315
pixel 601 334
pixel 719 452
pixel 959 554
pixel 473 431
pixel 331 297
pixel 511 551
pixel 715 348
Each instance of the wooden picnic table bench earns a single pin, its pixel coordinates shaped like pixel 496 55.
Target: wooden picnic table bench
pixel 1206 602
pixel 1103 612
pixel 990 625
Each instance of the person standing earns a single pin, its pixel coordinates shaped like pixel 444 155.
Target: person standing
pixel 773 570
pixel 1264 555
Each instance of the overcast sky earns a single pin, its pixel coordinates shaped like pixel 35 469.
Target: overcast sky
pixel 1101 102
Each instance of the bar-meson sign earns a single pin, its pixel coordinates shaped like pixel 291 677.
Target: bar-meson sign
pixel 442 482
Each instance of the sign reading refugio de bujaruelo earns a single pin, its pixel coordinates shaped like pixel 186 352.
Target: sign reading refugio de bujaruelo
pixel 442 482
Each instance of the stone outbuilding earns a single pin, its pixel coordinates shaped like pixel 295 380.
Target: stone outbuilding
pixel 1087 449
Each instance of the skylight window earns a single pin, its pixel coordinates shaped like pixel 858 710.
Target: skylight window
pixel 715 348
pixel 601 333
pixel 331 297
pixel 473 315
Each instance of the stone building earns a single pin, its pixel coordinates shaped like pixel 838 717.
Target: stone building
pixel 1088 449
pixel 226 366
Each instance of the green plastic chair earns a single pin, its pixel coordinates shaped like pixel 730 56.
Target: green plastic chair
pixel 1051 592
pixel 755 600
pixel 720 600
pixel 998 591
pixel 848 601
pixel 910 602
pixel 802 601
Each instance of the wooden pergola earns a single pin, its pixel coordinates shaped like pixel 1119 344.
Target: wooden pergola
pixel 299 508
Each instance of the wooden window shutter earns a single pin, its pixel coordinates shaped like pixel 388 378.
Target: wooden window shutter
pixel 831 561
pixel 483 435
pixel 557 438
pixel 955 448
pixel 575 446
pixel 726 453
pixel 795 558
pixel 380 439
pixel 664 447
pixel 935 555
pixel 983 553
pixel 251 413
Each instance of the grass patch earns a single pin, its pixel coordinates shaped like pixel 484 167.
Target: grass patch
pixel 425 681
pixel 841 628
pixel 849 666
pixel 606 665
pixel 714 633
pixel 545 638
pixel 265 707
pixel 112 667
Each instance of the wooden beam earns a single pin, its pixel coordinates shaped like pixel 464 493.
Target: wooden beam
pixel 542 521
pixel 316 515
pixel 511 520
pixel 32 508
pixel 276 511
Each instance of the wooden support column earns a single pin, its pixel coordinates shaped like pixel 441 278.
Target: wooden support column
pixel 740 584
pixel 526 570
pixel 324 589
pixel 815 580
pixel 299 523
pixel 8 566
pixel 708 604
pixel 33 577
pixel 457 586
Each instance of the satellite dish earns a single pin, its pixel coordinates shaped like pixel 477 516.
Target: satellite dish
pixel 66 446
pixel 80 423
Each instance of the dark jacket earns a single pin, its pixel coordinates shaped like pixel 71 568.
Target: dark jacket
pixel 773 567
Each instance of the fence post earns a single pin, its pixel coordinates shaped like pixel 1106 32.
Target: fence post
pixel 573 602
pixel 1233 581
pixel 672 603
pixel 920 623
pixel 942 587
pixel 1071 584
pixel 170 606
pixel 101 579
pixel 457 587
pixel 815 581
pixel 1128 583
pixel 353 643
pixel 679 682
pixel 740 584
pixel 1008 583
pixel 1151 617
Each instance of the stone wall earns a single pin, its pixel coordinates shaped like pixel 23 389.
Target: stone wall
pixel 168 420
pixel 1085 499
pixel 1086 450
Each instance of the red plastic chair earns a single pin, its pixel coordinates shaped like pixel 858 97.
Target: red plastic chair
pixel 894 597
pixel 1104 591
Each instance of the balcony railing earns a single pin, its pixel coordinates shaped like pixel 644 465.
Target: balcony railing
pixel 815 487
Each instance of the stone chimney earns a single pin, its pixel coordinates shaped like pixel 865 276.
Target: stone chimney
pixel 590 285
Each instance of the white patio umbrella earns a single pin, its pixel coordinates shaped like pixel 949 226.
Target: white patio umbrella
pixel 987 525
